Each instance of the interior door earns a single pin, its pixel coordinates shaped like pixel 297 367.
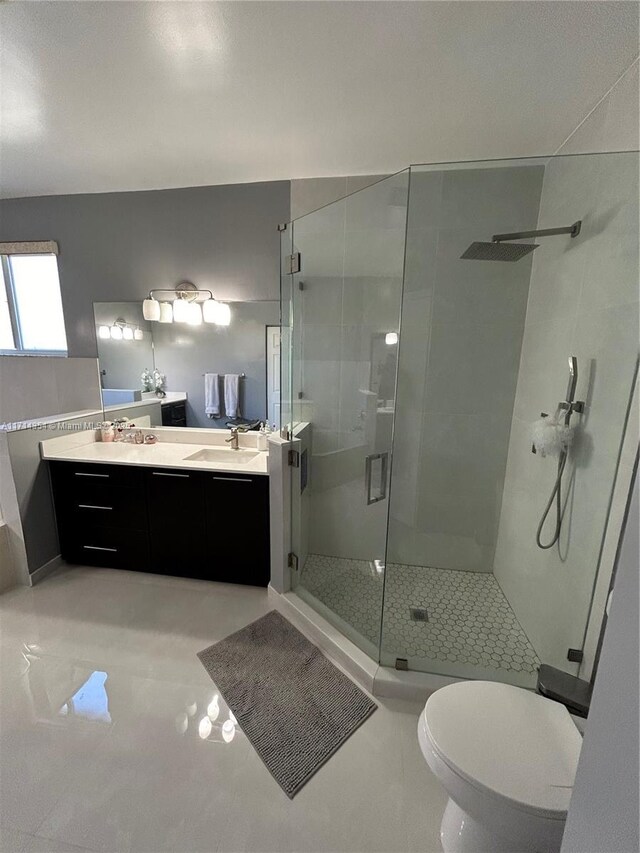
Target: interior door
pixel 273 375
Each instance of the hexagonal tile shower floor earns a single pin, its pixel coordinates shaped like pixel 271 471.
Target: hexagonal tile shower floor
pixel 469 630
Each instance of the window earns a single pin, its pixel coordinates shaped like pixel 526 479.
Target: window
pixel 31 318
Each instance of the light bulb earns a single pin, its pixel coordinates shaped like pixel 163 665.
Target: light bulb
pixel 104 332
pixel 166 312
pixel 180 310
pixel 138 335
pixel 214 709
pixel 209 310
pixel 194 316
pixel 228 731
pixel 127 333
pixel 182 723
pixel 223 314
pixel 391 338
pixel 204 729
pixel 151 309
pixel 116 333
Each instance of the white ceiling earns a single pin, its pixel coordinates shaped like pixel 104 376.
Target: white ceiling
pixel 100 96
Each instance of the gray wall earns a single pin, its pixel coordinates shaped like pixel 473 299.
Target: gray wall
pixel 462 325
pixel 117 246
pixel 184 353
pixel 603 813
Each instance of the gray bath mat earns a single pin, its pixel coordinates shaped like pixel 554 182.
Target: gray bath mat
pixel 293 704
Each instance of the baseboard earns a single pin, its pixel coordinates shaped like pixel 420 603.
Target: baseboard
pixel 412 686
pixel 44 571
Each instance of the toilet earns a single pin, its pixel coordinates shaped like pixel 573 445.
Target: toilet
pixel 507 758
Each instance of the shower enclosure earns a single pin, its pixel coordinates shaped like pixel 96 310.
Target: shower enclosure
pixel 411 378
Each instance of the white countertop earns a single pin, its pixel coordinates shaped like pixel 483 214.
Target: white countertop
pixel 170 397
pixel 168 453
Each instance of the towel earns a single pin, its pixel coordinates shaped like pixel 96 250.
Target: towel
pixel 232 395
pixel 212 395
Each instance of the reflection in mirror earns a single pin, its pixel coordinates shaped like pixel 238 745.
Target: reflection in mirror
pixel 181 355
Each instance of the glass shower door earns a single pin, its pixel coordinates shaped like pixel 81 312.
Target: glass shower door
pixel 345 306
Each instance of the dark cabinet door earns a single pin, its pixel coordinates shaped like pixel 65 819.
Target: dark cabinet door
pixel 175 502
pixel 237 523
pixel 174 414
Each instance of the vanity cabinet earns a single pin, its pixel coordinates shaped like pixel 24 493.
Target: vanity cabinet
pixel 102 515
pixel 201 524
pixel 174 414
pixel 237 526
pixel 175 502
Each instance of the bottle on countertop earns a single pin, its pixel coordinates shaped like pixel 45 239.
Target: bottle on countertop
pixel 262 437
pixel 106 431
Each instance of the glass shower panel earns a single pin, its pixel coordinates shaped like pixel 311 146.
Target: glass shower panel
pixel 346 301
pixel 484 350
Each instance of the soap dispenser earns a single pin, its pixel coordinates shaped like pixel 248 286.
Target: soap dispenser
pixel 262 437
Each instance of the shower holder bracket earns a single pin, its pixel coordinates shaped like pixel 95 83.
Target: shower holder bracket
pixel 578 406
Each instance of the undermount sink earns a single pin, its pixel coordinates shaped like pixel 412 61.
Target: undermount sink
pixel 221 454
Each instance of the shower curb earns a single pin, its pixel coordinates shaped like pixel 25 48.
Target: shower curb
pixel 380 681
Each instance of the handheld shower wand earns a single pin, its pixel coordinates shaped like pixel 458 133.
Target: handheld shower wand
pixel 560 441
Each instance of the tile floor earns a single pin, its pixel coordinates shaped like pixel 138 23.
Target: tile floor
pixel 471 630
pixel 101 697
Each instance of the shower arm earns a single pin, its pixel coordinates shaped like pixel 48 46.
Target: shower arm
pixel 574 230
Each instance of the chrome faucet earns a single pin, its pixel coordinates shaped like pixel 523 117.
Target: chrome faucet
pixel 233 441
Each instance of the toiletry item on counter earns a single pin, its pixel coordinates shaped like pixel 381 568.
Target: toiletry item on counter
pixel 150 438
pixel 263 443
pixel 106 431
pixel 121 426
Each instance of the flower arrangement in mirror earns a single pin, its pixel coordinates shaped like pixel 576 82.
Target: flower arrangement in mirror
pixel 147 380
pixel 159 380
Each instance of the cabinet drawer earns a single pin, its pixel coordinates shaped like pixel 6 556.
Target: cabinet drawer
pixel 76 476
pixel 105 546
pixel 104 506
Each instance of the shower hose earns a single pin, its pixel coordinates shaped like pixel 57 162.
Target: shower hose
pixel 555 495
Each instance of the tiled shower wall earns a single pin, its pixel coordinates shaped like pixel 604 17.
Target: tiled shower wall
pixel 583 301
pixel 462 325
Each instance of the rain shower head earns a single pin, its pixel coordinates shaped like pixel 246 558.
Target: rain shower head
pixel 499 250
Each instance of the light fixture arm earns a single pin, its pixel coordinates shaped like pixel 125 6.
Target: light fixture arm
pixel 179 292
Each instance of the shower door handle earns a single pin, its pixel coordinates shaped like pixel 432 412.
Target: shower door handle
pixel 368 472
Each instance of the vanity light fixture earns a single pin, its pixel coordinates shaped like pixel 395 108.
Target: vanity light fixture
pixel 181 310
pixel 120 330
pixel 185 307
pixel 151 308
pixel 166 313
pixel 391 338
pixel 194 314
pixel 223 314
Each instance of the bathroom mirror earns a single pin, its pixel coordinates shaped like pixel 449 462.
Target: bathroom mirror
pixel 129 345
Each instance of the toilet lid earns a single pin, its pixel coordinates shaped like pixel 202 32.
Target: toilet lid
pixel 508 741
